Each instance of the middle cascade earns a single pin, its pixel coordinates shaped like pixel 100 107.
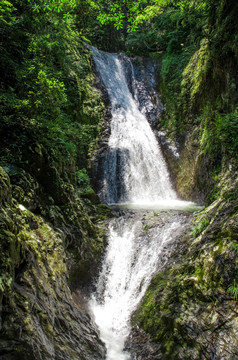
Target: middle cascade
pixel 134 170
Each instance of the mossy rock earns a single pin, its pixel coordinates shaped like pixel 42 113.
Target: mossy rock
pixel 184 308
pixel 5 189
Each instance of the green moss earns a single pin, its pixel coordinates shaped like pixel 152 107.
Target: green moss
pixel 195 72
pixel 4 185
pixel 5 282
pixel 233 290
pixel 146 227
pixel 200 226
pixel 199 272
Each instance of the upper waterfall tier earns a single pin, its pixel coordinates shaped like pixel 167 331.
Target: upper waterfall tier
pixel 133 168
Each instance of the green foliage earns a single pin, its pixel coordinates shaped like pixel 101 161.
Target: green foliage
pixel 46 94
pixel 233 290
pixel 146 227
pixel 6 13
pixel 83 180
pixel 120 13
pixel 195 72
pixel 62 8
pixel 129 14
pixel 5 282
pixel 156 35
pixel 219 133
pixel 200 226
pixel 235 247
pixel 227 131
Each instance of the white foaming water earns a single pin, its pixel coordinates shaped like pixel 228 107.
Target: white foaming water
pixel 135 175
pixel 130 262
pixel 134 168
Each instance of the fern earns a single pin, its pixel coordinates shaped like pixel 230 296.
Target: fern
pixel 233 290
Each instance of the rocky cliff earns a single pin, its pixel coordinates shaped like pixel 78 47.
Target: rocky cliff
pixel 47 255
pixel 190 309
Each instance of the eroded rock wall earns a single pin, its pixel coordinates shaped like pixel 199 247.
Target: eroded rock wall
pixel 46 257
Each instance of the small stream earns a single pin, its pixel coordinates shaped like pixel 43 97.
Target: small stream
pixel 134 177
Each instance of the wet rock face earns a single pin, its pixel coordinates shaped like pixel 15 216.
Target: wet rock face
pixel 141 347
pixel 42 311
pixel 144 89
pixel 190 170
pixel 41 321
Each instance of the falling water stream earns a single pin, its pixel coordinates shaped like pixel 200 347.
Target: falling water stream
pixel 134 173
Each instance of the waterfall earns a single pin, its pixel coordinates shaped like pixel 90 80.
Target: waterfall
pixel 133 172
pixel 133 256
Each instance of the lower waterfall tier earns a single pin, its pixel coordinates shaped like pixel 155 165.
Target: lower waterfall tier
pixel 139 245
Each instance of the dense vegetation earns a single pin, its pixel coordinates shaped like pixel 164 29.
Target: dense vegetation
pixel 51 120
pixel 46 91
pixel 50 240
